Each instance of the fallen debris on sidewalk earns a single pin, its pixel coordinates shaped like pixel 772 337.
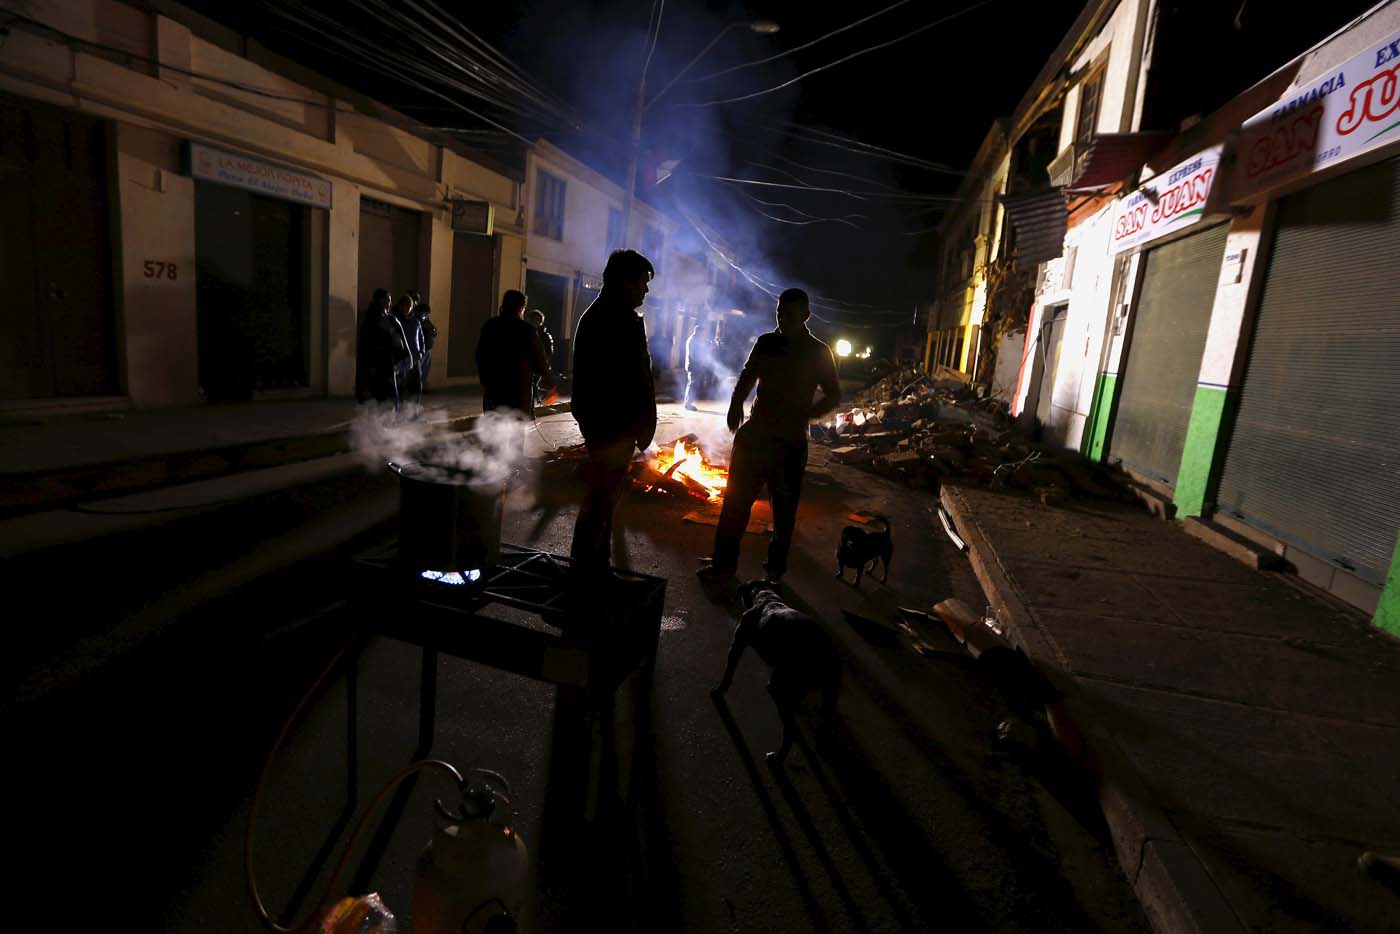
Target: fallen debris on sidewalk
pixel 923 430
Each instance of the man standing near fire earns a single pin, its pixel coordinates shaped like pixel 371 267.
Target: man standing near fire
pixel 788 365
pixel 614 403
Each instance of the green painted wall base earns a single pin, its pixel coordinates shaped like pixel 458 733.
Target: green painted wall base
pixel 1100 416
pixel 1198 454
pixel 1388 610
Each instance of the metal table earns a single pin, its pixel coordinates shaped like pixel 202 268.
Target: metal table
pixel 592 648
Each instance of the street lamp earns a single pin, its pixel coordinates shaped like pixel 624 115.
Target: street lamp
pixel 843 348
pixel 761 26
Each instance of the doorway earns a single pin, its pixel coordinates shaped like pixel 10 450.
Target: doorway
pixel 57 323
pixel 252 296
pixel 548 293
pixel 473 263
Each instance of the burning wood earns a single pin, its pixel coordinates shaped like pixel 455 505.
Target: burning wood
pixel 683 469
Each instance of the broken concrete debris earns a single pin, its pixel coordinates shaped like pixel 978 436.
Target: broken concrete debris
pixel 925 430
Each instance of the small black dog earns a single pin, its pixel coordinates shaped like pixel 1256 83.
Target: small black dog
pixel 801 655
pixel 861 548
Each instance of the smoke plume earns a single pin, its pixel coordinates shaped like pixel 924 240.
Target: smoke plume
pixel 487 454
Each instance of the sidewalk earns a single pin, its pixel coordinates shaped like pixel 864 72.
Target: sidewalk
pixel 50 461
pixel 1246 733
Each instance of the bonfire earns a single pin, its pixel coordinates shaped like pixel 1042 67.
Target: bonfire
pixel 682 467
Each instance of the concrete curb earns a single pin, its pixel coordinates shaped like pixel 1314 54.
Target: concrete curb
pixel 1172 884
pixel 32 491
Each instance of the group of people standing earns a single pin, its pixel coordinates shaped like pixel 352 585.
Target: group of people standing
pixel 394 353
pixel 614 403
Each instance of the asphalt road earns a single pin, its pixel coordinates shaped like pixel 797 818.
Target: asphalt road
pixel 157 663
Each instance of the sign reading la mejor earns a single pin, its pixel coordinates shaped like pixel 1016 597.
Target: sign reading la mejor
pixel 1178 200
pixel 255 175
pixel 1349 110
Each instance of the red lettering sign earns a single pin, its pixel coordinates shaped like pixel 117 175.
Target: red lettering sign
pixel 1374 99
pixel 1287 141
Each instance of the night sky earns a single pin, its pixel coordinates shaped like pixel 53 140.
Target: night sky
pixel 932 96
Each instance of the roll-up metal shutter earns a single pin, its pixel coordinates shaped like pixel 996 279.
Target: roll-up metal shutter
pixel 1164 353
pixel 1314 457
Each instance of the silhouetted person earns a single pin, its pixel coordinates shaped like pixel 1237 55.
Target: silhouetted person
pixel 430 333
pixel 788 365
pixel 614 402
pixel 696 366
pixel 410 374
pixel 546 341
pixel 509 357
pixel 379 349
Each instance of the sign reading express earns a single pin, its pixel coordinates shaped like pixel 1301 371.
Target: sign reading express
pixel 255 175
pixel 1350 110
pixel 1171 201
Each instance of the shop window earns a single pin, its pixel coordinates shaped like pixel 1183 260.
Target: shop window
pixel 549 205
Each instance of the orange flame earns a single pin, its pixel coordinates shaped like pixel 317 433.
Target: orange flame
pixel 687 460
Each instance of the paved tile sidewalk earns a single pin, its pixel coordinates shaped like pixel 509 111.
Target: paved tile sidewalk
pixel 1260 721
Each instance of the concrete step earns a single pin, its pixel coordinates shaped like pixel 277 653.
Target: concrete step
pixel 1248 553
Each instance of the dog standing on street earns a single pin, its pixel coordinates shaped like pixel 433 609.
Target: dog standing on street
pixel 801 655
pixel 861 548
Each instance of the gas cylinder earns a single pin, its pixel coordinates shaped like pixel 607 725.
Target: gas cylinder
pixel 473 877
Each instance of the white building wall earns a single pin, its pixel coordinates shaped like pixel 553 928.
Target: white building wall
pixel 153 202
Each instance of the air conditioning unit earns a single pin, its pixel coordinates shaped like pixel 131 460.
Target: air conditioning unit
pixel 473 217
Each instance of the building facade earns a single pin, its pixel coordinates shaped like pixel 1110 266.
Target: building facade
pixel 1214 318
pixel 193 224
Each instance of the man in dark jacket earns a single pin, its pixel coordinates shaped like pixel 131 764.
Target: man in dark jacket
pixel 614 402
pixel 546 341
pixel 788 365
pixel 411 369
pixel 378 352
pixel 509 357
pixel 430 333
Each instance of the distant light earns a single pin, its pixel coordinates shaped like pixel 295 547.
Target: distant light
pixel 765 26
pixel 456 578
pixel 843 348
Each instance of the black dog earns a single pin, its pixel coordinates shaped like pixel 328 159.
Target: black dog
pixel 861 548
pixel 801 655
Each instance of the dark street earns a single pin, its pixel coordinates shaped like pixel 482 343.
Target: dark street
pixel 894 823
pixel 677 466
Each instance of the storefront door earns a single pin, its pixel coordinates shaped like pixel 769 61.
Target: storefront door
pixel 57 326
pixel 252 294
pixel 1163 357
pixel 1314 455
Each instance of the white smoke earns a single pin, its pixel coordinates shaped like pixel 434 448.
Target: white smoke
pixel 487 454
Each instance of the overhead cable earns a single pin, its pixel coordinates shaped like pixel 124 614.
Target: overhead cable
pixel 805 45
pixel 846 58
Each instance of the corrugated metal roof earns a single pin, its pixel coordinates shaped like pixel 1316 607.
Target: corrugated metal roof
pixel 1112 157
pixel 1040 220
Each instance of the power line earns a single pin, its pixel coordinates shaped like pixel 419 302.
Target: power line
pixel 773 290
pixel 805 45
pixel 812 218
pixel 909 198
pixel 846 58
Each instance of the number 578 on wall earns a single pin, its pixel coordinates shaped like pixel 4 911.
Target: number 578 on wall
pixel 159 270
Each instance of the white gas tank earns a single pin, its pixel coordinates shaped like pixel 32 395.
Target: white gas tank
pixel 473 878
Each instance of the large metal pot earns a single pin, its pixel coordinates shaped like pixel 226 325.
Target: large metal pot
pixel 448 519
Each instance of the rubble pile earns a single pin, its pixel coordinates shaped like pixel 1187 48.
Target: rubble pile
pixel 925 430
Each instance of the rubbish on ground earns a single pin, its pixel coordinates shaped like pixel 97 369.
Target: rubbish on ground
pixel 948 527
pixel 925 430
pixel 760 519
